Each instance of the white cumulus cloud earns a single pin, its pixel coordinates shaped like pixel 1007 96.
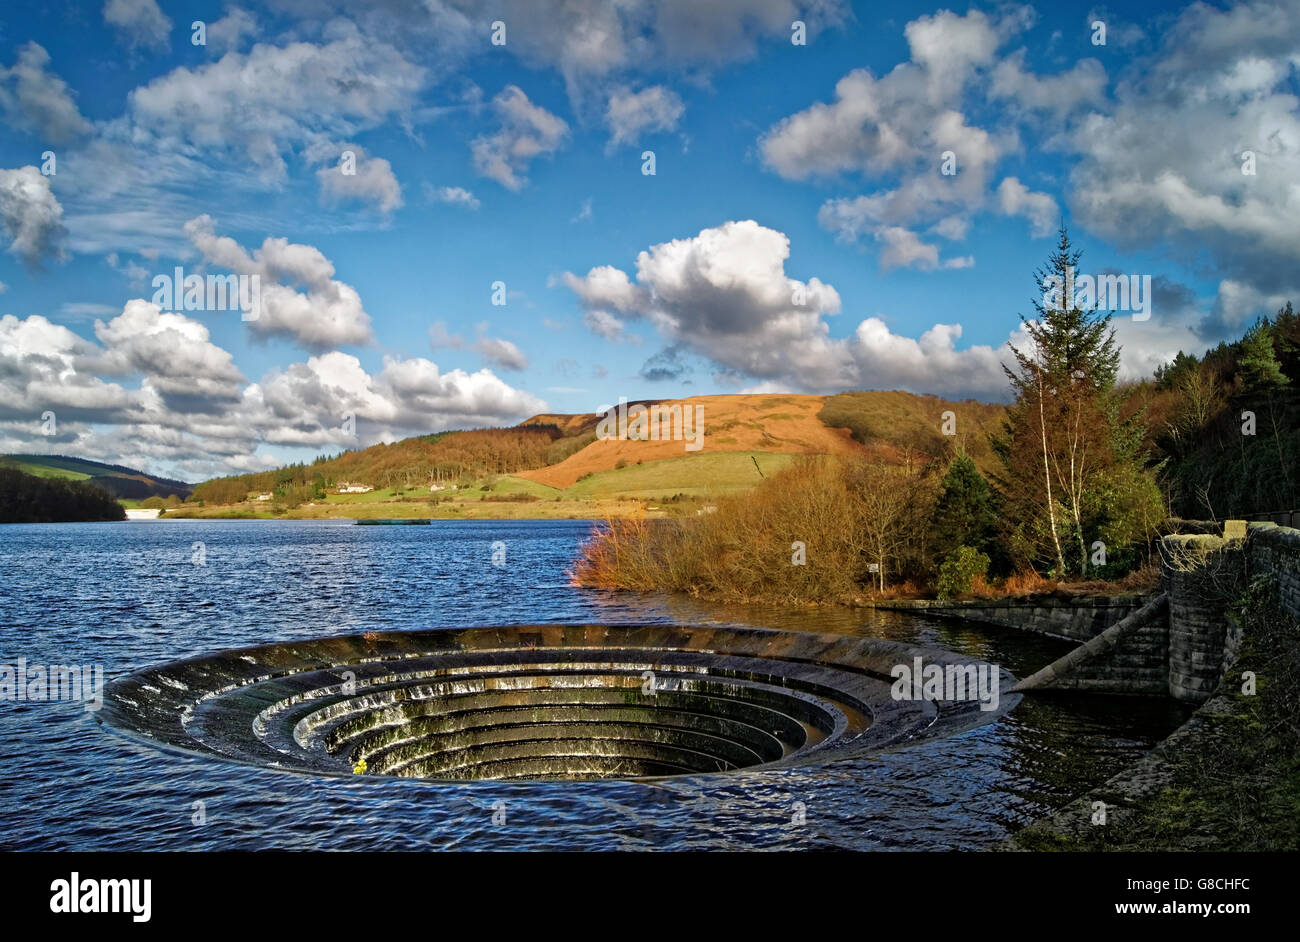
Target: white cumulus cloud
pixel 327 313
pixel 631 114
pixel 138 22
pixel 31 216
pixel 525 132
pixel 36 99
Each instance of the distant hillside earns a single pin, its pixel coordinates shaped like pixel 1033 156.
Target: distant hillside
pixel 784 424
pixel 30 498
pixel 889 423
pixel 121 482
pixel 554 452
pixel 411 462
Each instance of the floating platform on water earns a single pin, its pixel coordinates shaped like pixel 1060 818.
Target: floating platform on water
pixel 394 523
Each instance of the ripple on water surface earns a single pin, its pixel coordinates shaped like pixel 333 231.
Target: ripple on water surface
pixel 129 597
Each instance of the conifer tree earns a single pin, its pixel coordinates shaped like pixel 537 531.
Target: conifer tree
pixel 1257 361
pixel 963 514
pixel 1068 462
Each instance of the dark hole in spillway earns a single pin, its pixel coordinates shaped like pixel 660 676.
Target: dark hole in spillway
pixel 545 702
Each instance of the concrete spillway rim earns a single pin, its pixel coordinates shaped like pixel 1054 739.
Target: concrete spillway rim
pixel 150 679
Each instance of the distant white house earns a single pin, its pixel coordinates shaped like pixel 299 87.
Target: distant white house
pixel 143 513
pixel 349 488
pixel 263 497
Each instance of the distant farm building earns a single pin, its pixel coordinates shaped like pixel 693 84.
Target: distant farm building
pixel 346 488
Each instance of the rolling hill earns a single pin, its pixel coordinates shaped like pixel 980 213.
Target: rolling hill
pixel 785 424
pixel 121 482
pixel 559 457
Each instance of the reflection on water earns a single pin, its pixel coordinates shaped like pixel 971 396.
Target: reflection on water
pixel 129 595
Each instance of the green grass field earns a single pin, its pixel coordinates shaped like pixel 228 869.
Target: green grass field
pixel 705 475
pixel 504 485
pixel 378 495
pixel 617 492
pixel 509 484
pixel 49 471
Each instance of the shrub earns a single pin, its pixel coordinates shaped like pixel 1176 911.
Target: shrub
pixel 746 550
pixel 960 569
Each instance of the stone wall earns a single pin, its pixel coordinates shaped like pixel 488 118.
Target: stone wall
pixel 1269 551
pixel 1137 666
pixel 1274 552
pixel 1071 618
pixel 1202 575
pixel 1183 655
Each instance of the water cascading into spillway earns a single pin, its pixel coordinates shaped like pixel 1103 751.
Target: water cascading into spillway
pixel 543 702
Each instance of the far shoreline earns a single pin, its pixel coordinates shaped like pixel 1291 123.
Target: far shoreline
pixel 460 510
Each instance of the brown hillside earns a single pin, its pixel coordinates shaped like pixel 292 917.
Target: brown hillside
pixel 557 449
pixel 778 423
pixel 891 423
pixel 579 424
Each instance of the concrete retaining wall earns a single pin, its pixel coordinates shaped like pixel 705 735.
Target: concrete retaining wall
pixel 1270 552
pixel 1070 618
pixel 1202 574
pixel 1182 655
pixel 1137 666
pixel 1275 552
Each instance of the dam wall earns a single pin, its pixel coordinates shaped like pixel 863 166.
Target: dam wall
pixel 1260 554
pixel 1137 666
pixel 1184 650
pixel 1275 554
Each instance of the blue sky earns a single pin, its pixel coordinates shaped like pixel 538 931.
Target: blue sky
pixel 780 169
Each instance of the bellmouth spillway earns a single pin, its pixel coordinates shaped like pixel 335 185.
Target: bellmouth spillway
pixel 545 702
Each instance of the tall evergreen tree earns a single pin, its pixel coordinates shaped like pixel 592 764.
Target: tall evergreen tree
pixel 1257 362
pixel 1067 459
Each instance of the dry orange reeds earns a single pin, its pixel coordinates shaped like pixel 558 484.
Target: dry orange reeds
pixel 902 590
pixel 794 539
pixel 616 556
pixel 1025 582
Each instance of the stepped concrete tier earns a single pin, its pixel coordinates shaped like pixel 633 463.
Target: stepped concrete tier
pixel 1096 647
pixel 547 701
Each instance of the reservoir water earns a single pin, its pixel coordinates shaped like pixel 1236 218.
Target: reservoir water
pixel 130 595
